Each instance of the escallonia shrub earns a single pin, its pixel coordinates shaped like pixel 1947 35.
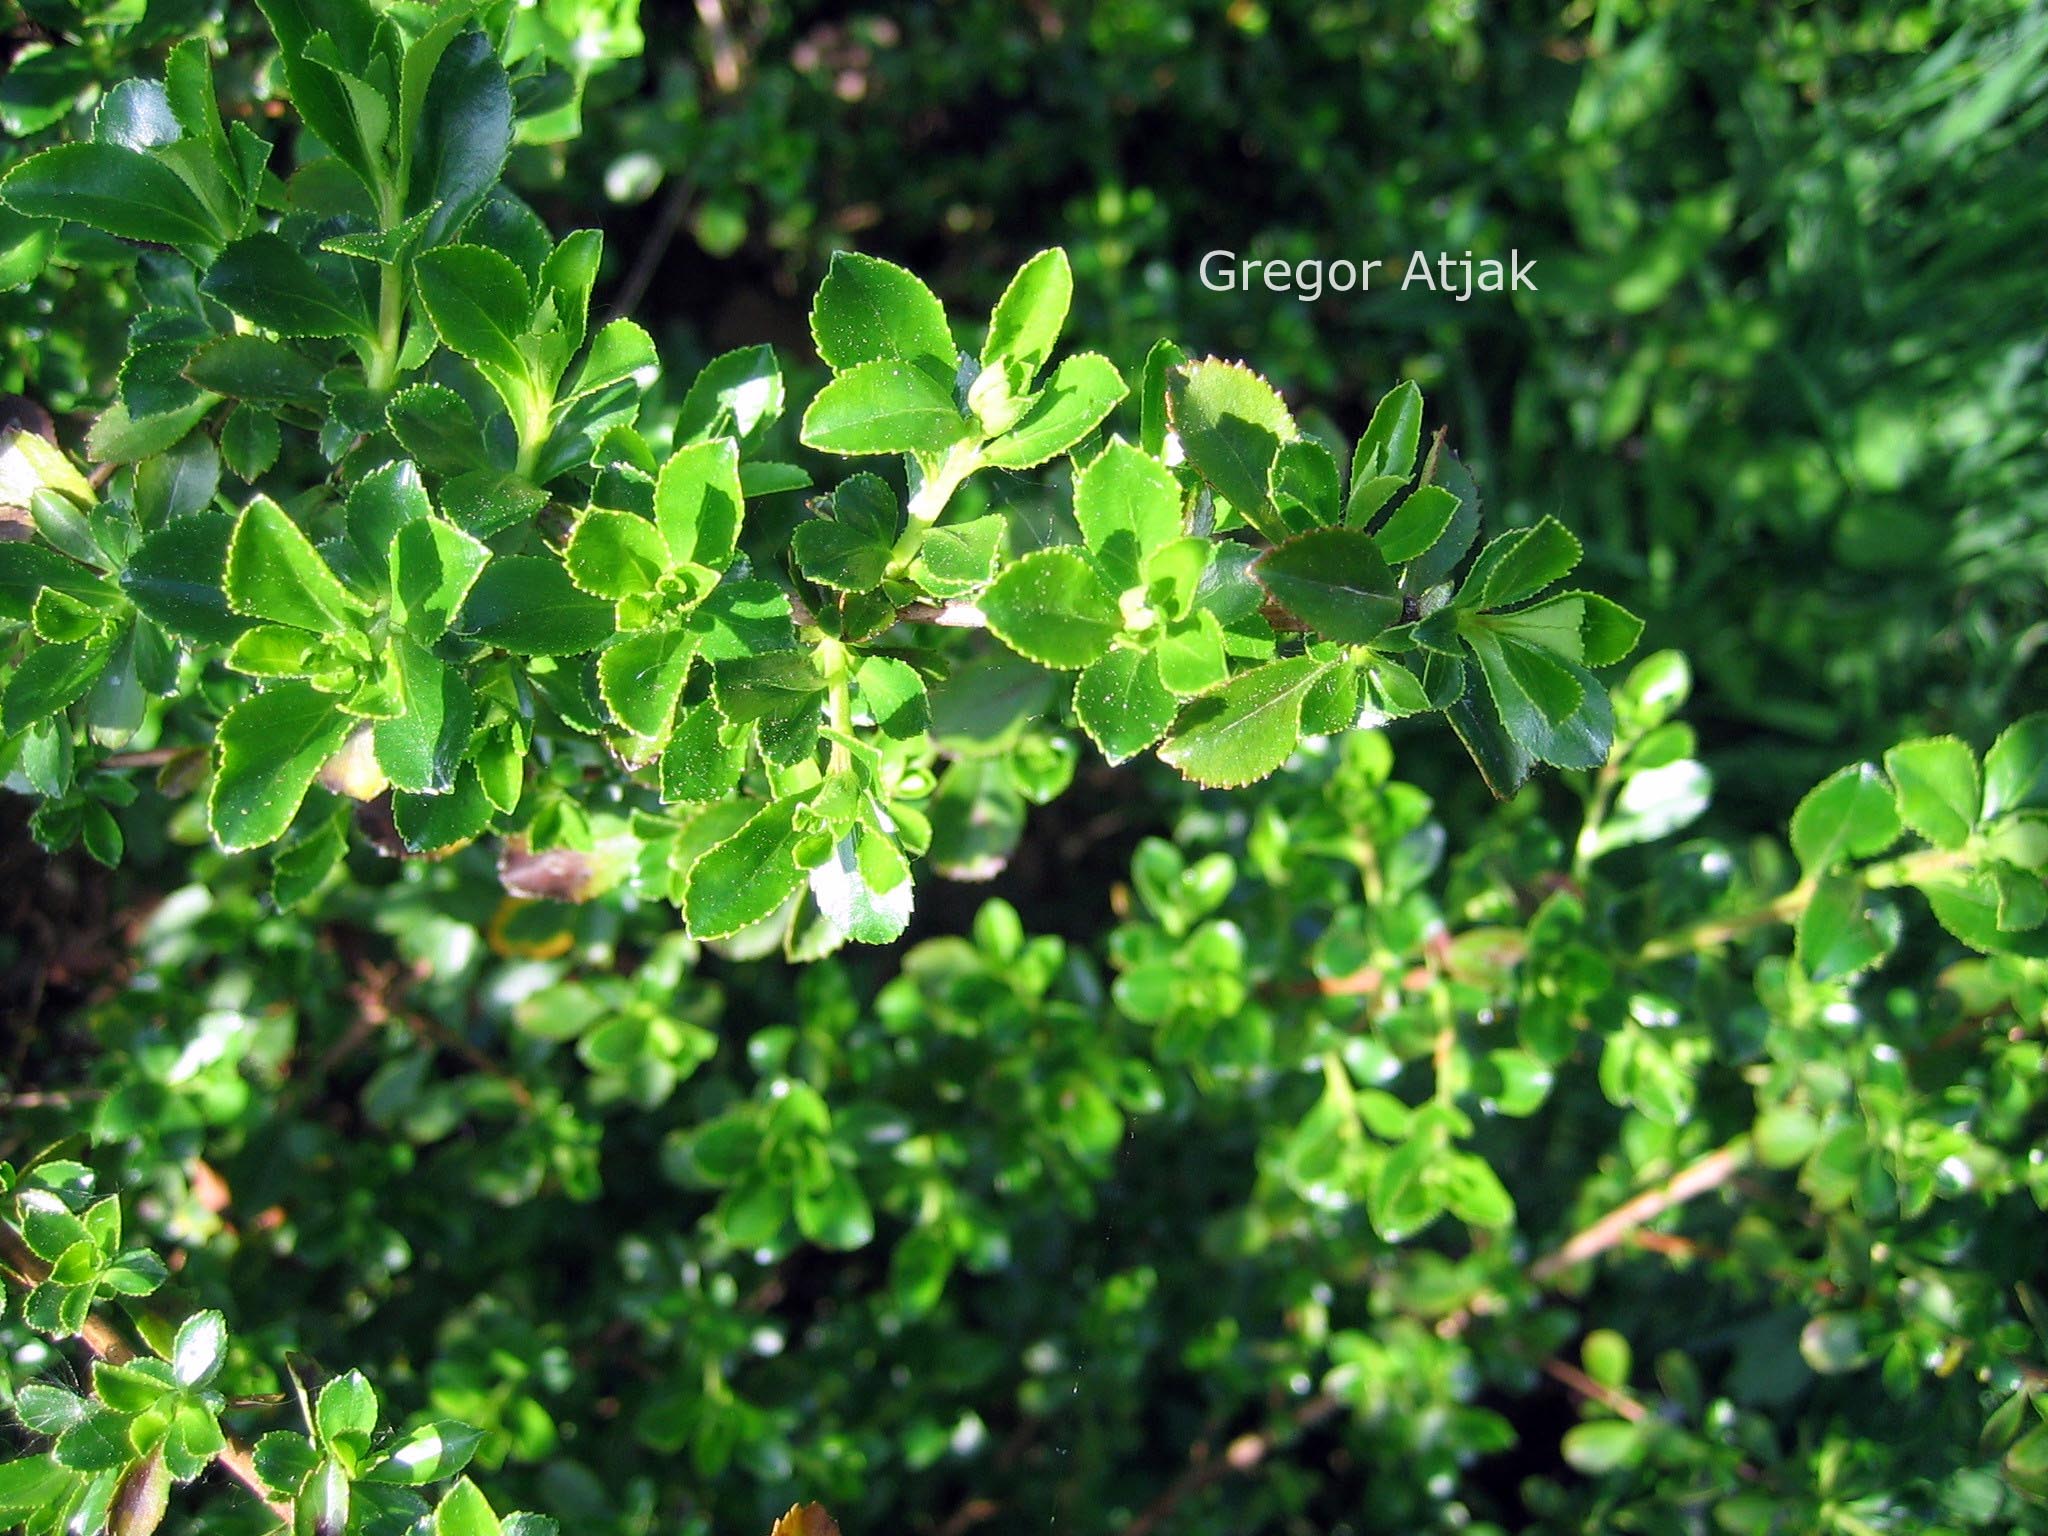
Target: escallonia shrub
pixel 375 517
pixel 386 542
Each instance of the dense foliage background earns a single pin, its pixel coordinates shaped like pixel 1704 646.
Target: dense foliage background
pixel 1235 1160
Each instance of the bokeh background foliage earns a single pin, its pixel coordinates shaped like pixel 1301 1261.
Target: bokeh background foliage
pixel 1124 1222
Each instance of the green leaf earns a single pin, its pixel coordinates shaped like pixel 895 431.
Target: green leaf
pixel 422 747
pixel 641 676
pixel 1122 704
pixel 249 441
pixel 1335 581
pixel 122 191
pixel 267 750
pixel 1128 505
pixel 1247 728
pixel 1231 424
pixel 1521 564
pixel 340 120
pixel 616 554
pixel 199 1349
pixel 618 352
pixel 1051 607
pixel 479 303
pixel 834 1213
pixel 458 143
pixel 869 311
pixel 883 407
pixel 959 558
pixel 1841 931
pixel 346 1411
pixel 1415 525
pixel 463 1511
pixel 1028 317
pixel 2016 767
pixel 697 503
pixel 427 1454
pixel 698 765
pixel 526 604
pixel 1602 1446
pixel 255 368
pixel 1938 792
pixel 436 426
pixel 1193 656
pixel 266 281
pixel 433 566
pixel 50 679
pixel 848 899
pixel 742 880
pixel 1385 459
pixel 893 696
pixel 1551 708
pixel 274 573
pixel 1851 814
pixel 1081 393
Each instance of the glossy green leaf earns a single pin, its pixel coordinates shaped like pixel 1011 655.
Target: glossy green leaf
pixel 872 311
pixel 125 192
pixel 1122 704
pixel 267 282
pixel 274 573
pixel 1851 814
pixel 1245 729
pixel 1231 424
pixel 1937 786
pixel 1073 402
pixel 883 407
pixel 1335 581
pixel 1051 607
pixel 267 750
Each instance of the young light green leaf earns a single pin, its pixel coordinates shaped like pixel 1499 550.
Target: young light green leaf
pixel 1231 424
pixel 746 877
pixel 1051 607
pixel 615 555
pixel 1245 729
pixel 1122 704
pixel 1081 393
pixel 697 503
pixel 433 566
pixel 479 303
pixel 421 748
pixel 1128 505
pixel 868 310
pixel 883 407
pixel 641 676
pixel 463 1511
pixel 2016 767
pixel 1939 795
pixel 1851 814
pixel 1385 458
pixel 1415 525
pixel 1028 317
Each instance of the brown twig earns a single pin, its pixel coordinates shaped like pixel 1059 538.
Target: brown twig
pixel 1611 1398
pixel 106 1343
pixel 1695 1179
